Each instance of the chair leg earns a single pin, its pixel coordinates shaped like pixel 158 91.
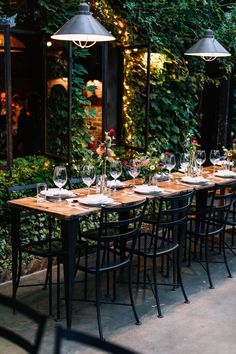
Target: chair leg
pixel 154 288
pixel 98 306
pixel 19 271
pixel 46 279
pixel 207 265
pixel 179 276
pixel 224 255
pixel 58 291
pixel 131 295
pixel 50 285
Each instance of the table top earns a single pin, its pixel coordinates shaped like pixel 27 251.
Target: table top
pixel 123 196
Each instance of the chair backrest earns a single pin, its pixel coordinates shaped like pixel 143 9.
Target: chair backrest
pixel 21 191
pixel 219 202
pixel 173 214
pixel 119 225
pixel 18 191
pixel 63 334
pixel 11 334
pixel 75 182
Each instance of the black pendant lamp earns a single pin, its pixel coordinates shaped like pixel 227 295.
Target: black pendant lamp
pixel 208 48
pixel 83 29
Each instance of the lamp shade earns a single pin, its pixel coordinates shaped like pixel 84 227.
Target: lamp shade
pixel 83 29
pixel 208 48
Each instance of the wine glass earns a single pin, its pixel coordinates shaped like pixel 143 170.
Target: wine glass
pixel 88 175
pixel 184 162
pixel 169 162
pixel 200 158
pixel 60 178
pixel 115 170
pixel 134 169
pixel 214 158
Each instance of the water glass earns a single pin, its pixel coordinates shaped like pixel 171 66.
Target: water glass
pixel 41 192
pixel 134 169
pixel 214 158
pixel 169 162
pixel 200 158
pixel 60 178
pixel 184 162
pixel 88 175
pixel 115 170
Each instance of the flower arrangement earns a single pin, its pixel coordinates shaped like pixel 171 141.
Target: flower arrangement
pixel 104 149
pixel 230 153
pixel 191 146
pixel 151 164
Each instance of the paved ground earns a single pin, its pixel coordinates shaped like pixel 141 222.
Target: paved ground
pixel 205 326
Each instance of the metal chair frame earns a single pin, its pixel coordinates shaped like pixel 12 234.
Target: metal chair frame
pixel 165 240
pixel 118 225
pixel 31 347
pixel 44 248
pixel 208 223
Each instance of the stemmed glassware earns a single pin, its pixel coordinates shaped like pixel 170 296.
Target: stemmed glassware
pixel 214 158
pixel 169 162
pixel 115 170
pixel 134 169
pixel 60 178
pixel 88 175
pixel 200 158
pixel 185 162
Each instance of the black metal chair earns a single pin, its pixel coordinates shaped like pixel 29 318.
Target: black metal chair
pixel 230 242
pixel 118 225
pixel 64 334
pixel 75 182
pixel 209 223
pixel 31 343
pixel 48 247
pixel 164 241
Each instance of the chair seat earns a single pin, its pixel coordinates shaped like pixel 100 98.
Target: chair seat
pixel 43 248
pixel 147 247
pixel 113 264
pixel 206 229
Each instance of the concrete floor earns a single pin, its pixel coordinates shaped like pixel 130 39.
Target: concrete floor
pixel 205 326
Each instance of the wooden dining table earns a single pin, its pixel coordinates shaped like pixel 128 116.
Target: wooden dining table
pixel 70 214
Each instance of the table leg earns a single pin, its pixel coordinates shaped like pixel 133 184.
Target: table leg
pixel 69 230
pixel 15 231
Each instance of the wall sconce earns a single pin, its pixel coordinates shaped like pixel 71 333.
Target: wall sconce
pixel 208 48
pixel 83 29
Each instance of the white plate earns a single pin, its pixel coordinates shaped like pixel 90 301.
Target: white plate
pixel 118 184
pixel 145 189
pixel 56 193
pixel 194 180
pixel 96 199
pixel 225 174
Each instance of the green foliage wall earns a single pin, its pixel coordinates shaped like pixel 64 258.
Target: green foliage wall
pixel 171 27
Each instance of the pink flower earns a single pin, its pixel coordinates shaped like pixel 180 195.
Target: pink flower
pixel 167 154
pixel 91 145
pixel 234 141
pixel 195 142
pixel 112 132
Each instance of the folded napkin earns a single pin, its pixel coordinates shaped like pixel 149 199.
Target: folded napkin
pixel 225 173
pixel 53 192
pixel 113 183
pixel 96 199
pixel 146 189
pixel 194 180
